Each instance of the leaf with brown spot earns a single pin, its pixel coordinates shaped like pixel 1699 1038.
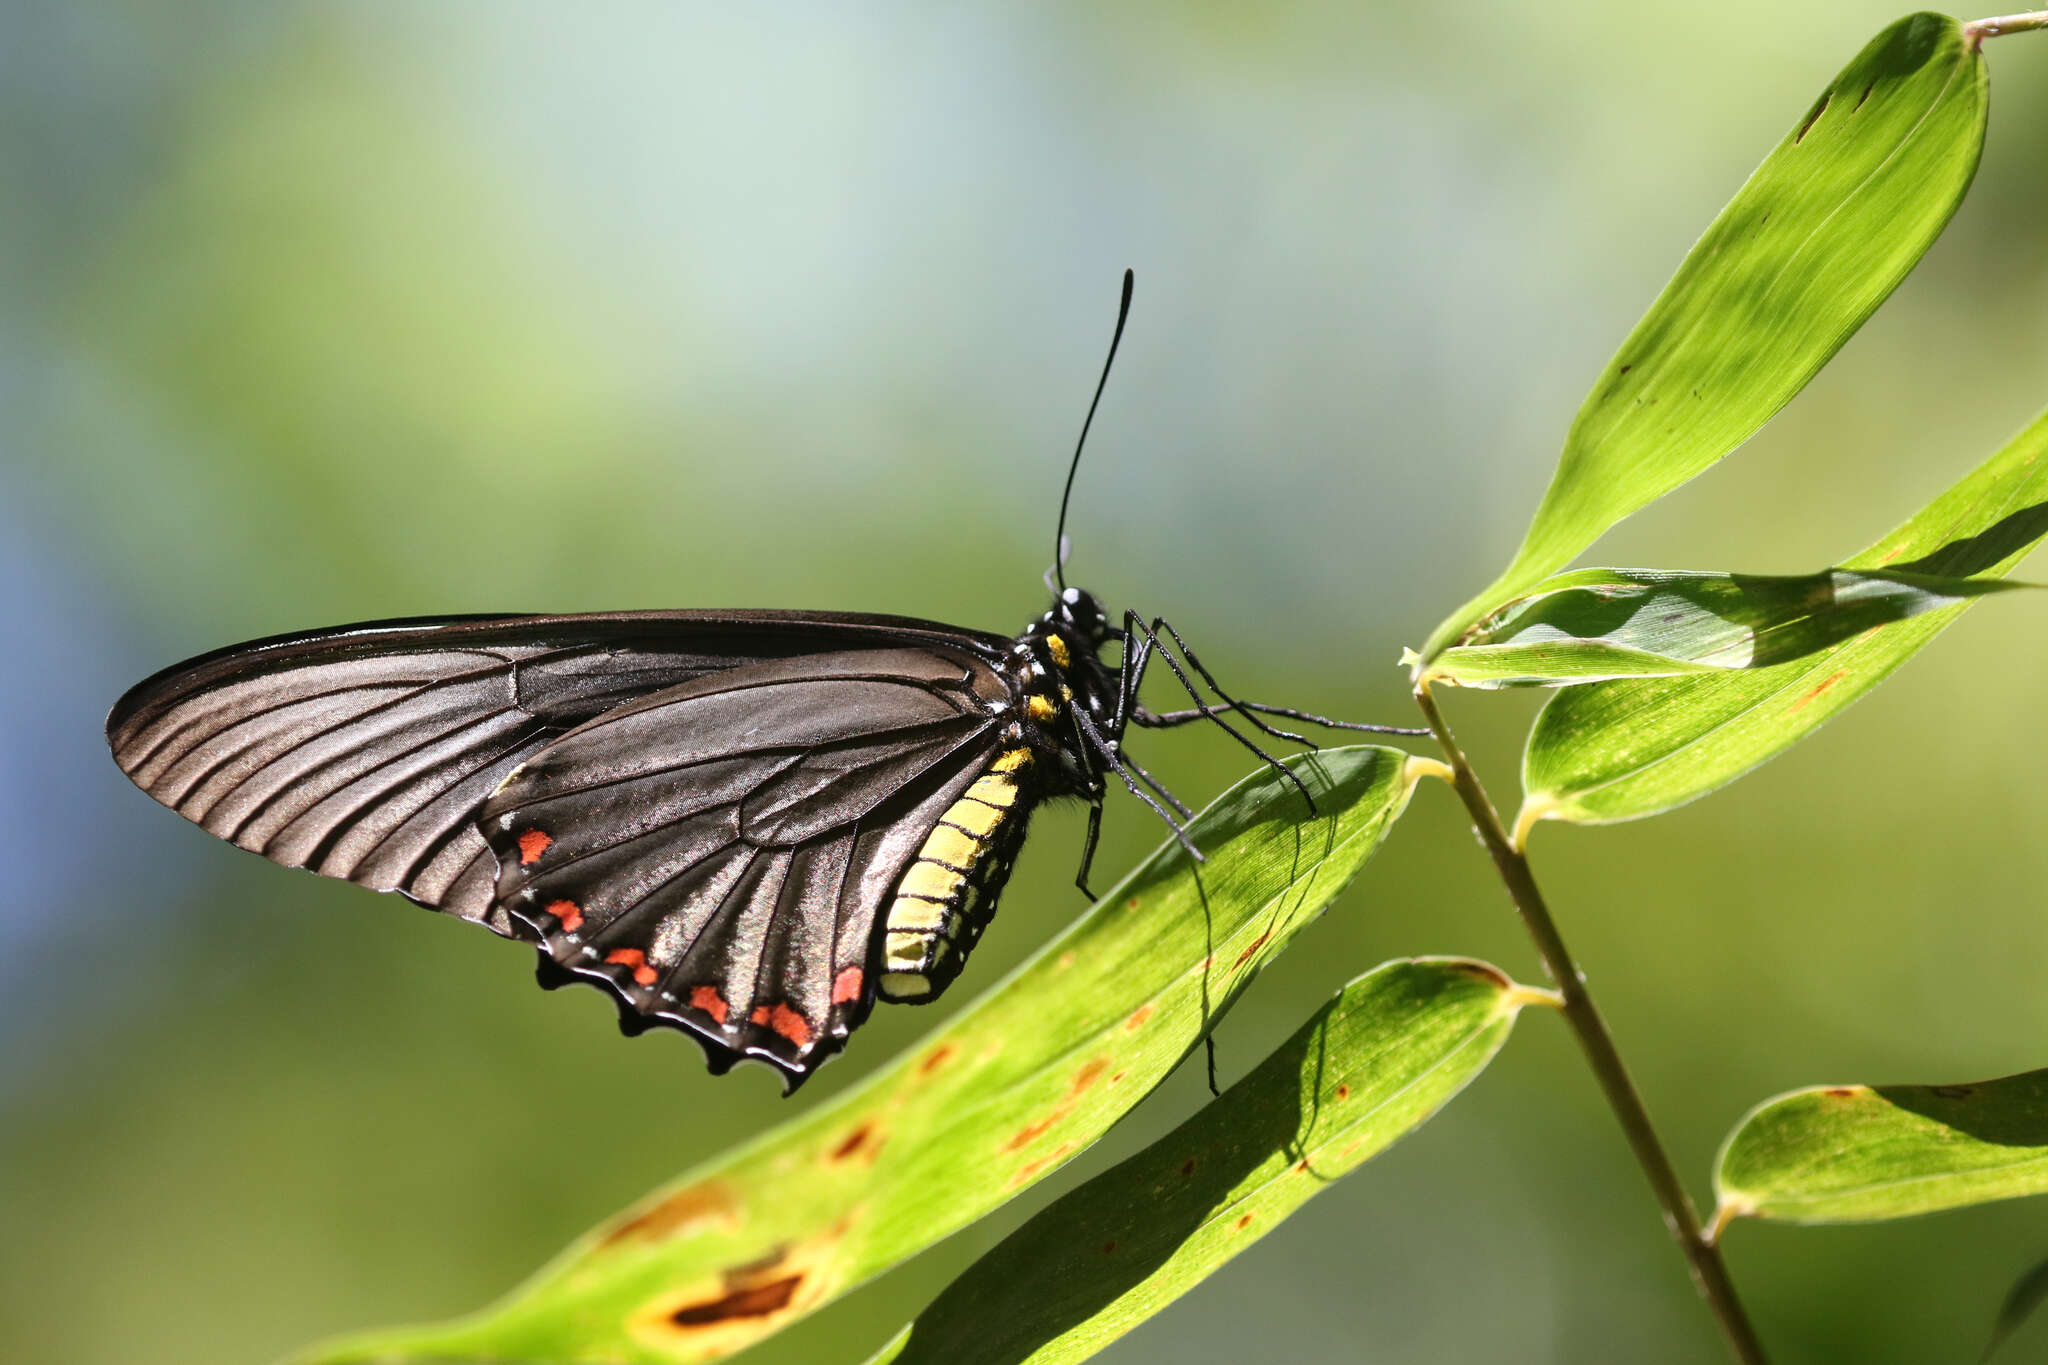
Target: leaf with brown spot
pixel 1040 1044
pixel 1404 1038
pixel 1837 1154
pixel 1639 746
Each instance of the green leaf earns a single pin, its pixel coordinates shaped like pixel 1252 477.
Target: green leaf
pixel 1856 1153
pixel 1820 235
pixel 1007 1092
pixel 1596 624
pixel 1373 1064
pixel 1623 750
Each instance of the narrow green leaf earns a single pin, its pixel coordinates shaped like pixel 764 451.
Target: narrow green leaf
pixel 1623 750
pixel 2027 1294
pixel 1857 1153
pixel 1596 624
pixel 1373 1064
pixel 1004 1094
pixel 1820 235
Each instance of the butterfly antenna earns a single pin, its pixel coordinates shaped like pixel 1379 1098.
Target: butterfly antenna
pixel 1059 541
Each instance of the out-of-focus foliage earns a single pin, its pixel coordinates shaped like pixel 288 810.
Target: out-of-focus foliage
pixel 312 312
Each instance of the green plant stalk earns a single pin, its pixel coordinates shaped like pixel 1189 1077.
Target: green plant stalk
pixel 1977 30
pixel 1703 1256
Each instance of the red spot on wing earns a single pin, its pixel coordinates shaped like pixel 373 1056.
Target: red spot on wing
pixel 569 913
pixel 707 999
pixel 637 961
pixel 790 1024
pixel 846 986
pixel 532 844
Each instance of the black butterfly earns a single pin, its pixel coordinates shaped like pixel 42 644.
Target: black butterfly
pixel 748 825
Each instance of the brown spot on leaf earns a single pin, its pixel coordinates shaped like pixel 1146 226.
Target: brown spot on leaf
pixel 1840 1092
pixel 1109 1247
pixel 754 1301
pixel 1301 1166
pixel 1244 1222
pixel 684 1211
pixel 1138 1018
pixel 1812 118
pixel 1090 1072
pixel 1253 947
pixel 1480 971
pixel 1187 1168
pixel 1951 1092
pixel 533 843
pixel 1131 904
pixel 936 1058
pixel 1820 689
pixel 1034 1130
pixel 1343 1092
pixel 1030 1169
pixel 850 1145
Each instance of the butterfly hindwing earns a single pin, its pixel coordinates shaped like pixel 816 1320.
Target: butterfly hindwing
pixel 716 854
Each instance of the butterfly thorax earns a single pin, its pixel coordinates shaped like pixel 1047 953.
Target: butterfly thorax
pixel 1055 668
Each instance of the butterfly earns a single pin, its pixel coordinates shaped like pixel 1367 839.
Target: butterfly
pixel 746 825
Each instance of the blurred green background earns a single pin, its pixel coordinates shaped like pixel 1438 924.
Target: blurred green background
pixel 316 312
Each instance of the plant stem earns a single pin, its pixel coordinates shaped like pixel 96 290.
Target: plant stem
pixel 1709 1272
pixel 1977 30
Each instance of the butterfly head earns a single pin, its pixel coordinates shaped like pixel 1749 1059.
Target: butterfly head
pixel 1077 614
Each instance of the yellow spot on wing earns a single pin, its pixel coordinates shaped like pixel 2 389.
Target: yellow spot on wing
pixel 1040 709
pixel 1057 647
pixel 1011 761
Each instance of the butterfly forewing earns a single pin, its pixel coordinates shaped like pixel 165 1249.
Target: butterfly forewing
pixel 717 853
pixel 717 804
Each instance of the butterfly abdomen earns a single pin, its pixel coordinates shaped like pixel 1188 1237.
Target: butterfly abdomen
pixel 949 892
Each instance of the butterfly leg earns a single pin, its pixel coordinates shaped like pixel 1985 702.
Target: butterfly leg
pixel 1122 769
pixel 1088 846
pixel 1133 624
